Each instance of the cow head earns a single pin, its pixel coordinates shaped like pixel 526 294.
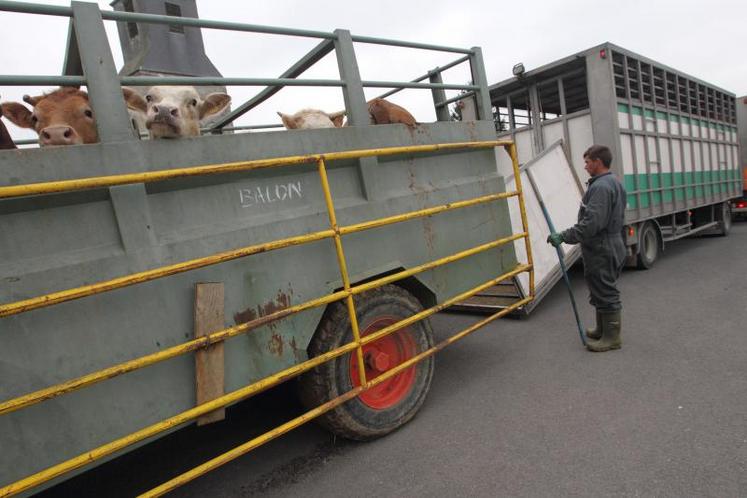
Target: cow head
pixel 61 117
pixel 312 118
pixel 175 111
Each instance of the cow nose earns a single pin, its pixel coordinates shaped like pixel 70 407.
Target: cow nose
pixel 165 111
pixel 57 135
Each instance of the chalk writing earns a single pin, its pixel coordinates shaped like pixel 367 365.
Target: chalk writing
pixel 271 193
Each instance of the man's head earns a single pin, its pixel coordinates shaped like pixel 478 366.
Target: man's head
pixel 598 159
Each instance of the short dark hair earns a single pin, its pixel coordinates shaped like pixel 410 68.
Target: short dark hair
pixel 601 152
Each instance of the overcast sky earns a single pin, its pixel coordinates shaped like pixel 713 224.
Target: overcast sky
pixel 704 39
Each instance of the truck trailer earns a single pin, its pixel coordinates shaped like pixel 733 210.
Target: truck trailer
pixel 673 137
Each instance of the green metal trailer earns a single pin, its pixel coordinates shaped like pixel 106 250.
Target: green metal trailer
pixel 131 270
pixel 673 137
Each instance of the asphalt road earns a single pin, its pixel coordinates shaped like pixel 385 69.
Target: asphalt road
pixel 520 409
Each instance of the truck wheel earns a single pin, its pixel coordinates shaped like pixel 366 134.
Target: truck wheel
pixel 389 405
pixel 648 246
pixel 724 218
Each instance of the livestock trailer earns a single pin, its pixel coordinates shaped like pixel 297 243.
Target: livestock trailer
pixel 673 137
pixel 739 205
pixel 146 284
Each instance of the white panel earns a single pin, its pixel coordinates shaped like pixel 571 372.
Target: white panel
pixel 524 147
pixel 704 131
pixel 687 159
pixel 676 155
pixel 653 156
pixel 640 154
pixel 685 129
pixel 666 162
pixel 714 157
pixel 581 137
pixel 662 124
pixel 701 157
pixel 626 144
pixel 623 120
pixel 562 198
pixel 674 128
pixel 637 122
pixel 650 123
pixel 552 133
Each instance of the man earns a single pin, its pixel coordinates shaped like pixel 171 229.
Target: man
pixel 600 232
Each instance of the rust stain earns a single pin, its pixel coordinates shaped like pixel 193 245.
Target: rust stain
pixel 275 344
pixel 276 306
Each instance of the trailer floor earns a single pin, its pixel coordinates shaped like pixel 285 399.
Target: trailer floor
pixel 520 409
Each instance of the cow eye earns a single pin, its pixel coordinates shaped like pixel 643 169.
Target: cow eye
pixel 88 113
pixel 148 98
pixel 193 102
pixel 34 119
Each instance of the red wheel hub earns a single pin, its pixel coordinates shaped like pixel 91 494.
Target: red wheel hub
pixel 380 356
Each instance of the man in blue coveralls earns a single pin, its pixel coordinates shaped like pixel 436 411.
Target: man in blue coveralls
pixel 599 230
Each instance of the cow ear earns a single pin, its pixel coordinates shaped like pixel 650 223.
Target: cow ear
pixel 32 101
pixel 214 104
pixel 337 118
pixel 288 121
pixel 18 114
pixel 133 100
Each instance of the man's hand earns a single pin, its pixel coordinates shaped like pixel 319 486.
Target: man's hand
pixel 555 239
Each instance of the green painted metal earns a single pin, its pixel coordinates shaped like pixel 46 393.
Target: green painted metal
pixel 55 242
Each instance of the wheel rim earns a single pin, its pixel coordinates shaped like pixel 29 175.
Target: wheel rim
pixel 649 245
pixel 381 356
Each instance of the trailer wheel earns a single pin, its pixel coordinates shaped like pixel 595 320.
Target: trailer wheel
pixel 724 218
pixel 389 405
pixel 648 246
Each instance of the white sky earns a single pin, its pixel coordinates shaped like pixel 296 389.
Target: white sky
pixel 703 39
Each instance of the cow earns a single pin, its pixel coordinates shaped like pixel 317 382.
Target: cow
pixel 384 112
pixel 174 111
pixel 61 117
pixel 6 142
pixel 312 118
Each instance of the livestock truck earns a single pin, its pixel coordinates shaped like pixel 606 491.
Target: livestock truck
pixel 673 138
pixel 739 205
pixel 149 284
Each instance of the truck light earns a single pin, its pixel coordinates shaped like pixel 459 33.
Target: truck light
pixel 603 54
pixel 631 231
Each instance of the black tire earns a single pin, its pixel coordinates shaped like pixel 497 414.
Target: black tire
pixel 649 247
pixel 724 219
pixel 357 419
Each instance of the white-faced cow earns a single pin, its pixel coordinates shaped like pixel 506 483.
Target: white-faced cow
pixel 312 118
pixel 175 111
pixel 61 117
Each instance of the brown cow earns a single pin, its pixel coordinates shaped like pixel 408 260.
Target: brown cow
pixel 384 112
pixel 6 142
pixel 312 118
pixel 61 117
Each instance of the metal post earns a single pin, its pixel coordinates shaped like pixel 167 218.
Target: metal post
pixel 355 103
pixel 482 96
pixel 439 95
pixel 104 91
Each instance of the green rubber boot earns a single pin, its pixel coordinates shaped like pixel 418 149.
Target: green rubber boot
pixel 611 324
pixel 596 332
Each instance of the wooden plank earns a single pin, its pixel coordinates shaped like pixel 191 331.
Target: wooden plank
pixel 209 366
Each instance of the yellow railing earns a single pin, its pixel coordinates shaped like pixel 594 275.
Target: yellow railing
pixel 335 232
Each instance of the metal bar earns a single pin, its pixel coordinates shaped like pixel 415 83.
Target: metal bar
pixel 219 80
pixel 343 269
pixel 321 409
pixel 438 70
pixel 148 275
pixel 446 102
pixel 214 169
pixel 221 335
pixel 405 44
pixel 522 209
pixel 34 8
pixel 24 80
pixel 439 95
pixel 233 397
pixel 308 60
pixel 394 84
